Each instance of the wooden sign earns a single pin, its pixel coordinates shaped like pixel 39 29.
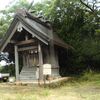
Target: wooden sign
pixel 47 69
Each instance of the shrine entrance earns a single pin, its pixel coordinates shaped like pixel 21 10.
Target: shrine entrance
pixel 30 58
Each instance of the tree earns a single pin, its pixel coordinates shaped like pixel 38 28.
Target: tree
pixel 78 23
pixel 92 5
pixel 7 15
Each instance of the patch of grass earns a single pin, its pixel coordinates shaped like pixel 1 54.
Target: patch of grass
pixel 85 87
pixel 45 92
pixel 90 76
pixel 72 90
pixel 86 78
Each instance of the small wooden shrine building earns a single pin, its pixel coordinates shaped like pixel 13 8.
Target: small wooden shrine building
pixel 30 41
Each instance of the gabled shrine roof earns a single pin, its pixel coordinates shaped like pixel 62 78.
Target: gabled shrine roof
pixel 40 28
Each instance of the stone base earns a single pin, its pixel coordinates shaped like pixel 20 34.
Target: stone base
pixel 55 72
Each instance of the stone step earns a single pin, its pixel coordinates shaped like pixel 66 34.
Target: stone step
pixel 25 77
pixel 33 77
pixel 29 68
pixel 28 79
pixel 24 71
pixel 27 71
pixel 28 74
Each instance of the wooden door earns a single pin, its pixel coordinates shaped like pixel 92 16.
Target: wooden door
pixel 30 59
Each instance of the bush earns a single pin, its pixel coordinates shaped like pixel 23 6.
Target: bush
pixel 90 76
pixel 8 69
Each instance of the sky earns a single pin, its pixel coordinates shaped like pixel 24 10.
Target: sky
pixel 3 3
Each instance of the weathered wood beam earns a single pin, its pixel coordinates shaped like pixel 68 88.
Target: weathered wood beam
pixel 27 48
pixel 34 34
pixel 25 42
pixel 9 37
pixel 62 45
pixel 16 63
pixel 12 41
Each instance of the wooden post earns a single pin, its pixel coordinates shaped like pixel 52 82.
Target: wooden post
pixel 40 62
pixel 47 58
pixel 23 60
pixel 52 49
pixel 52 54
pixel 56 56
pixel 55 70
pixel 16 63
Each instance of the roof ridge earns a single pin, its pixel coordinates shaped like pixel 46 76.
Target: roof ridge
pixel 25 13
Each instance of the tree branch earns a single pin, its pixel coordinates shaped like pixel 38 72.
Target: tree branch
pixel 87 6
pixel 30 5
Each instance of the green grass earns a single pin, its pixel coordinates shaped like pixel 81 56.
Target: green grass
pixel 90 77
pixel 86 87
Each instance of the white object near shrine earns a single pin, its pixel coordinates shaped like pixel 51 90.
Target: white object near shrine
pixel 46 69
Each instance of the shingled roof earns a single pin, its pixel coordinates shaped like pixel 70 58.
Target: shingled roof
pixel 40 28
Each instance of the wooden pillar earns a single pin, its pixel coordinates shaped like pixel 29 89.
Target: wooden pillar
pixel 24 60
pixel 52 49
pixel 56 56
pixel 47 55
pixel 40 62
pixel 52 54
pixel 16 63
pixel 28 64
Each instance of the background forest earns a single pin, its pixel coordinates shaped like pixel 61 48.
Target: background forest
pixel 77 22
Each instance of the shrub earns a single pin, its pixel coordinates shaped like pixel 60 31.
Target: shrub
pixel 8 69
pixel 90 76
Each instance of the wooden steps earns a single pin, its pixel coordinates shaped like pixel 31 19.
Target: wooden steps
pixel 28 74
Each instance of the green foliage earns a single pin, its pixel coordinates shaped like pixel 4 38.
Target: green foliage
pixel 8 69
pixel 90 76
pixel 97 32
pixel 6 16
pixel 79 27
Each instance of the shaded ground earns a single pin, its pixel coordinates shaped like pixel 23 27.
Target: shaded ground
pixel 74 91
